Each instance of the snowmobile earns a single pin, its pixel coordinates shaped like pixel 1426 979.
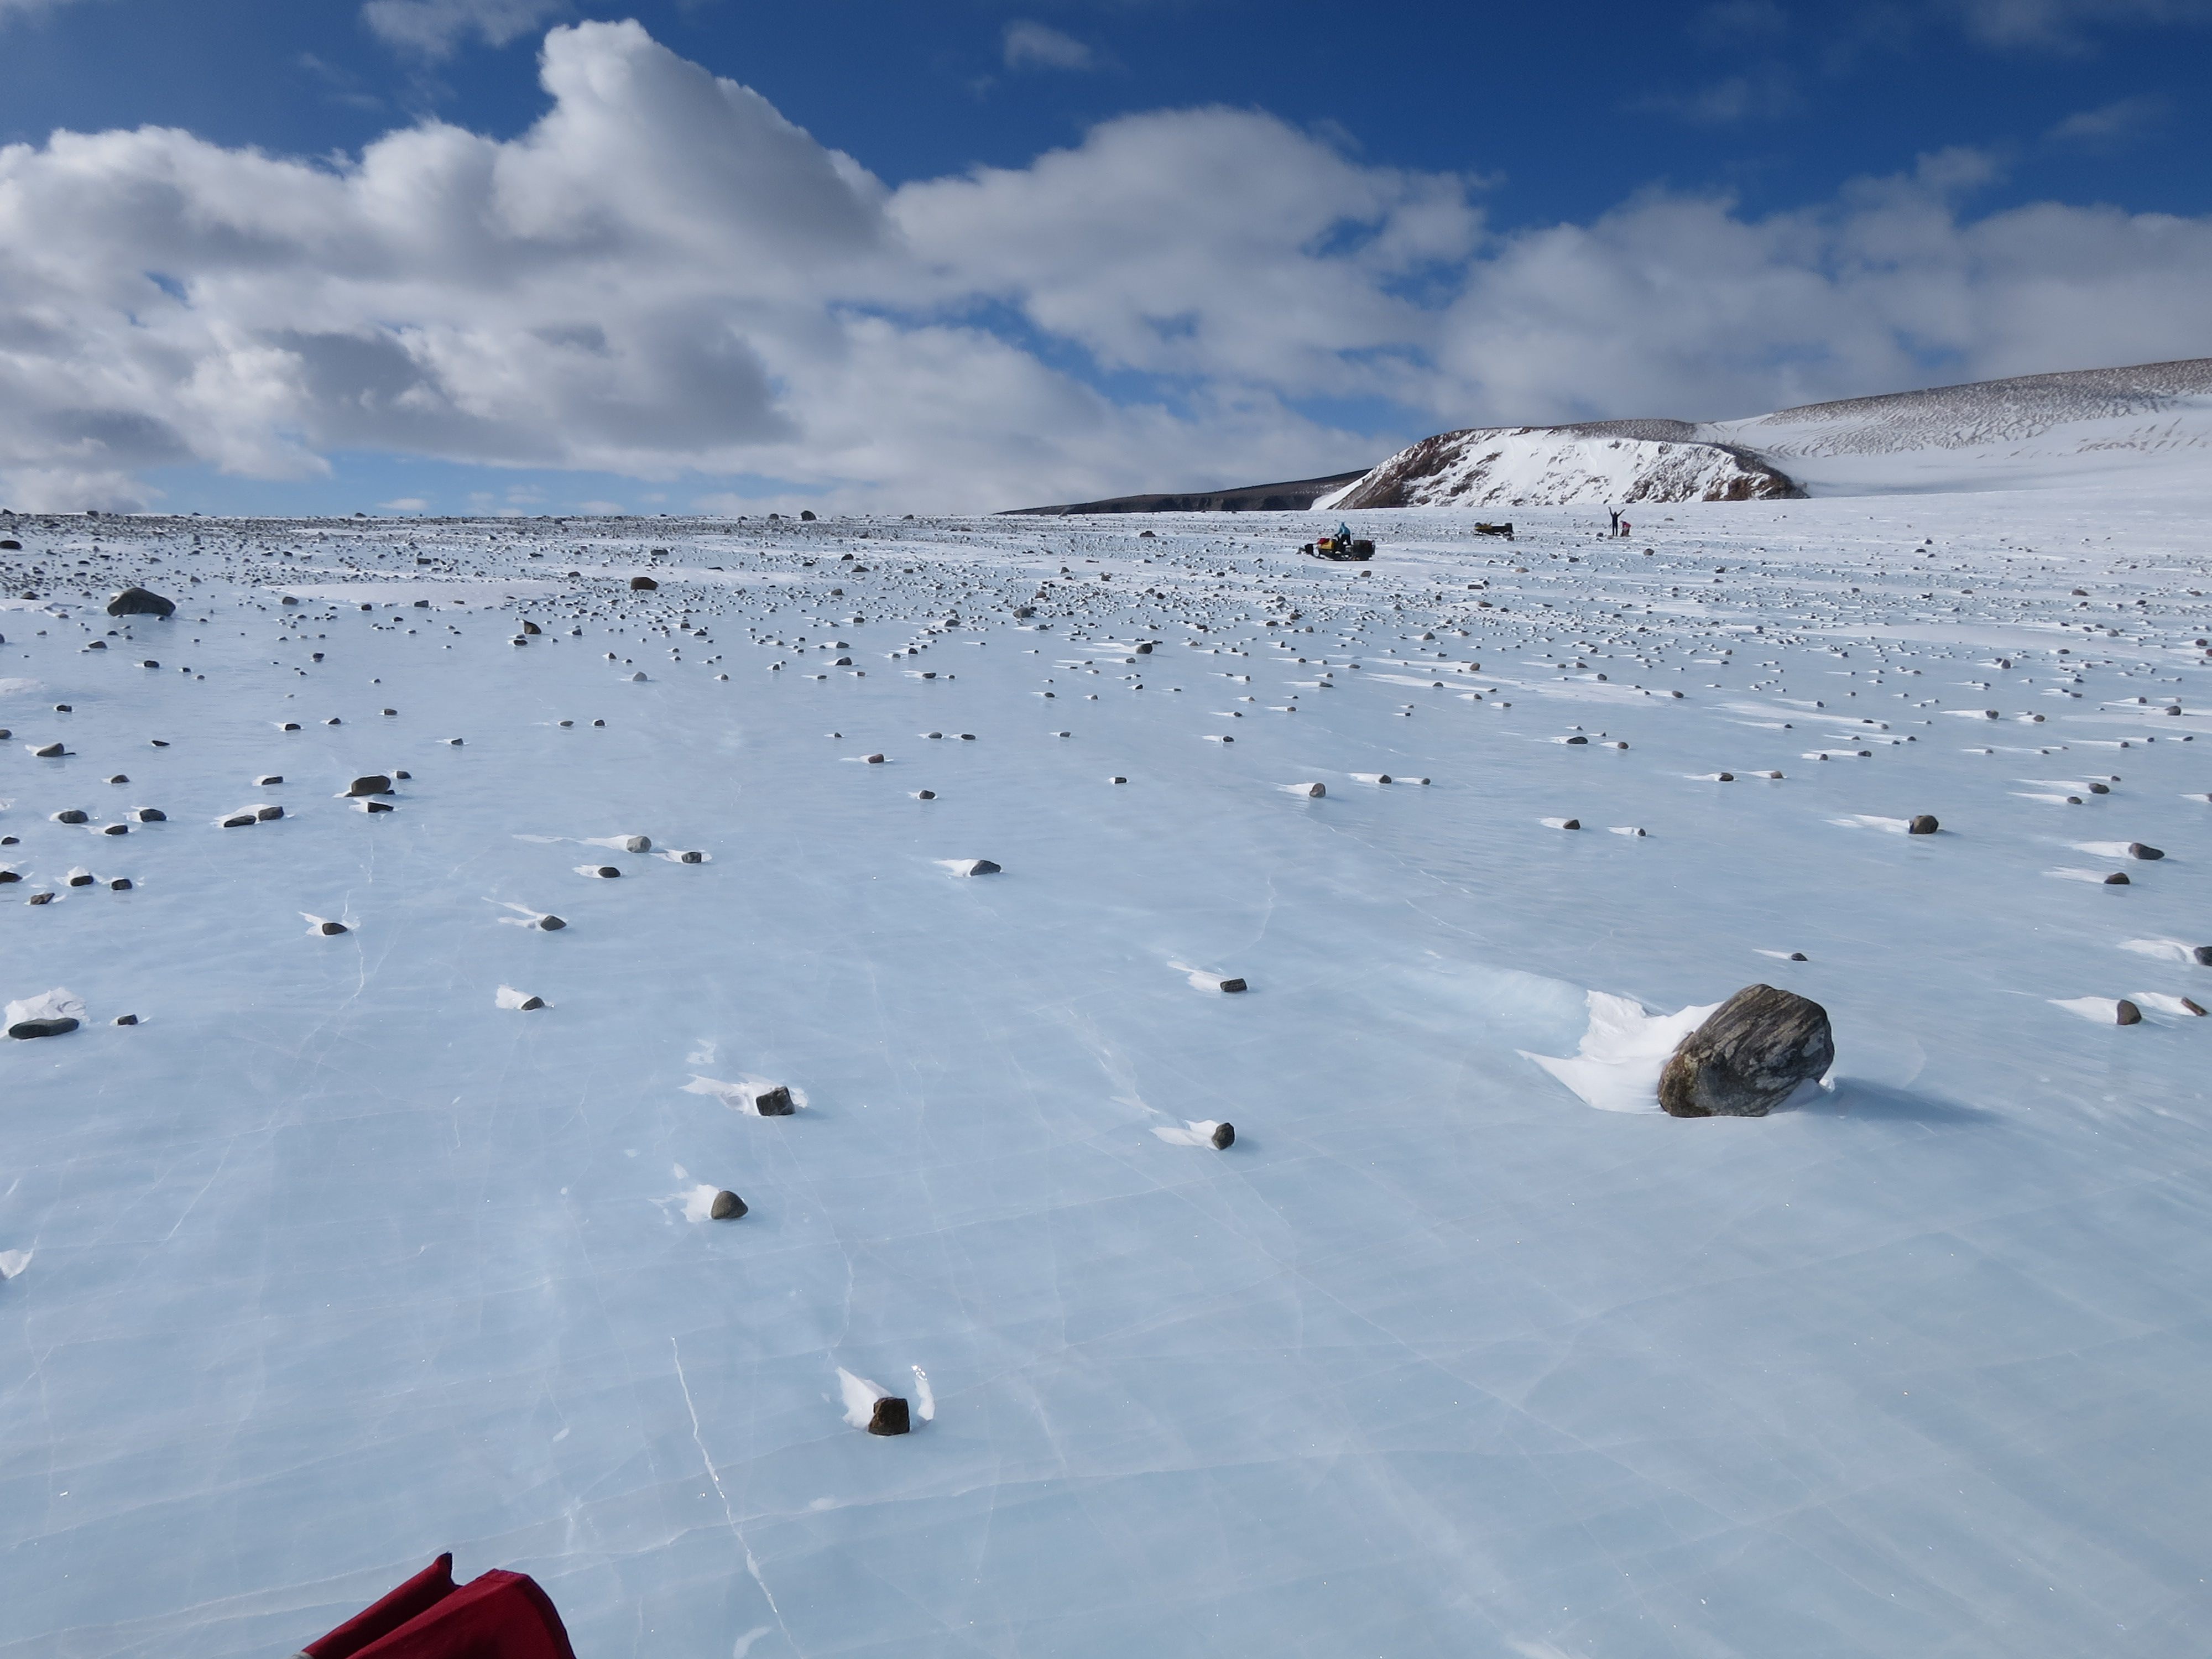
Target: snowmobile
pixel 1356 551
pixel 1504 529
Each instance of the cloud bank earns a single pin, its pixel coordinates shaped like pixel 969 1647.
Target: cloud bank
pixel 665 279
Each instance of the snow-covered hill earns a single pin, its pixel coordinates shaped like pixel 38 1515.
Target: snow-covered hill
pixel 2146 423
pixel 2033 430
pixel 1556 467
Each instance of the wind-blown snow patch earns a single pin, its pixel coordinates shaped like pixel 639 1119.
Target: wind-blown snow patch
pixel 1617 1066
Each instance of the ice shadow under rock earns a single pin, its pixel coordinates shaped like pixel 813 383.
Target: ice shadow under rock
pixel 1883 1102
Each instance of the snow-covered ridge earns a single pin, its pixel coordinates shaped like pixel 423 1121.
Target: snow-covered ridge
pixel 2030 429
pixel 1557 466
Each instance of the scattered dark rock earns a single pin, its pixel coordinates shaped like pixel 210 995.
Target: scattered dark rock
pixel 1225 1136
pixel 142 602
pixel 1724 777
pixel 1798 956
pixel 890 1413
pixel 127 1019
pixel 116 829
pixel 2193 1005
pixel 642 584
pixel 39 898
pixel 726 1206
pixel 49 751
pixel 2137 850
pixel 330 929
pixel 552 924
pixel 924 794
pixel 80 880
pixel 71 815
pixel 690 858
pixel 774 1102
pixel 27 1029
pixel 1571 823
pixel 2118 878
pixel 120 885
pixel 1577 738
pixel 1232 986
pixel 240 821
pixel 2202 955
pixel 1747 1056
pixel 375 783
pixel 1922 824
pixel 372 805
pixel 2127 1014
pixel 268 814
pixel 528 1004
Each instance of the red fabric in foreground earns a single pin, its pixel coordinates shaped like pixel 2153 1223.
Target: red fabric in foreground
pixel 501 1615
pixel 418 1595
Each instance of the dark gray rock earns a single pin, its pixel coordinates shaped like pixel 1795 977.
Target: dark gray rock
pixel 889 1417
pixel 529 1005
pixel 240 821
pixel 1225 1136
pixel 2127 1014
pixel 2118 878
pixel 552 924
pixel 49 751
pixel 774 1102
pixel 375 783
pixel 150 814
pixel 690 858
pixel 71 815
pixel 140 602
pixel 643 584
pixel 268 814
pixel 1232 985
pixel 331 929
pixel 27 1029
pixel 127 1019
pixel 1747 1056
pixel 607 871
pixel 2137 850
pixel 726 1206
pixel 2203 956
pixel 120 885
pixel 1922 824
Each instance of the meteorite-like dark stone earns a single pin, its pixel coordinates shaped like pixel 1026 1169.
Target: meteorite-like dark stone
pixel 1747 1056
pixel 890 1417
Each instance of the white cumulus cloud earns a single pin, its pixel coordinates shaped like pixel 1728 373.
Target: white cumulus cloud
pixel 663 279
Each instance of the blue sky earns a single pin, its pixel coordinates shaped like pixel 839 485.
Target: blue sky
pixel 1713 181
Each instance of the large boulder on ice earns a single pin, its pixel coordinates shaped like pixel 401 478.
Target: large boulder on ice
pixel 1750 1052
pixel 140 602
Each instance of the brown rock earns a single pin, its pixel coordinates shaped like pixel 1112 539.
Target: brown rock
pixel 1755 1048
pixel 889 1417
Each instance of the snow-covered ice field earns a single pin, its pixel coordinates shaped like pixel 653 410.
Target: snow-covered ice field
pixel 333 1262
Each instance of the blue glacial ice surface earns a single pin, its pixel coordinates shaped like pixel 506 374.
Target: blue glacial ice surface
pixel 333 1262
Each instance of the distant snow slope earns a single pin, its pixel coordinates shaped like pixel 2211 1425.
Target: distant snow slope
pixel 1993 435
pixel 1557 466
pixel 2152 420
